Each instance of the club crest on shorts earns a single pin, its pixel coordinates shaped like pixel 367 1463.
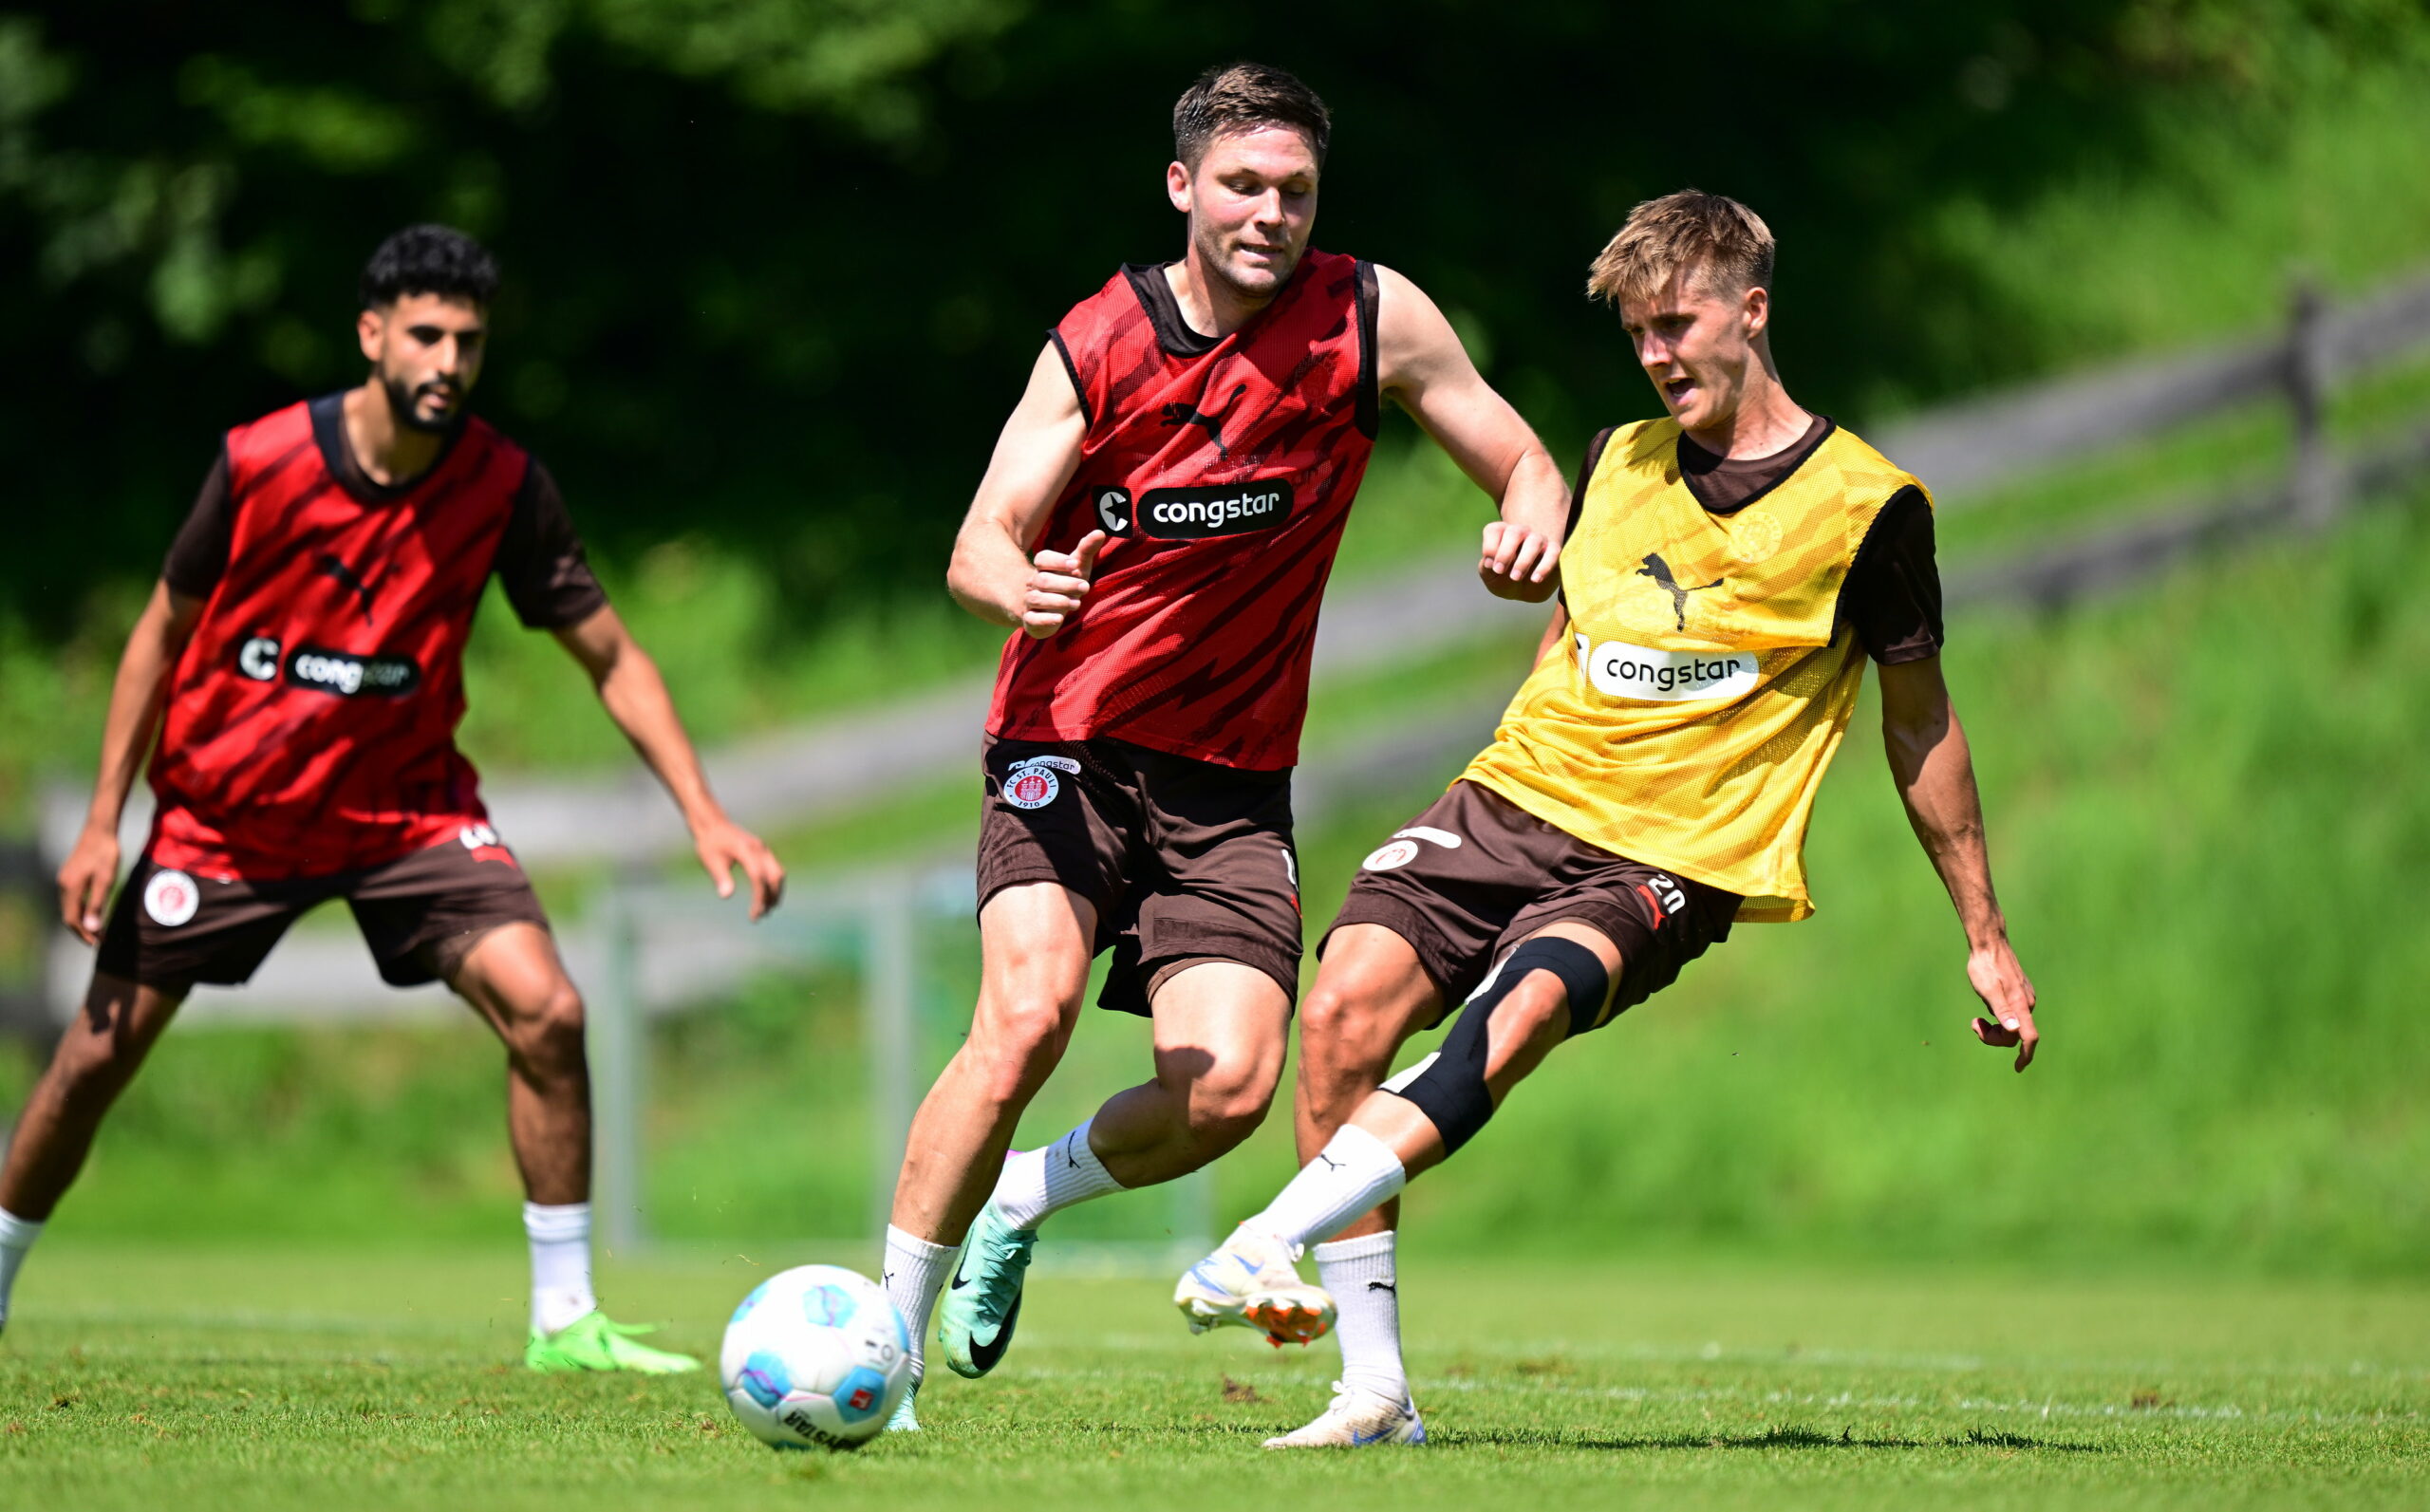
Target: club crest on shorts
pixel 1389 854
pixel 1031 782
pixel 171 898
pixel 1402 848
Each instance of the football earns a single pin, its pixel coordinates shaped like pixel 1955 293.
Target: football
pixel 815 1356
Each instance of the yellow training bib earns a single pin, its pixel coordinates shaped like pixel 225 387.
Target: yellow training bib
pixel 1707 679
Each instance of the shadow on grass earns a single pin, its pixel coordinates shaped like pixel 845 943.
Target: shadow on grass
pixel 1780 1437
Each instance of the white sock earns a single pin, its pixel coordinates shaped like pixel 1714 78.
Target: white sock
pixel 1038 1184
pixel 915 1273
pixel 1353 1172
pixel 17 1235
pixel 560 1264
pixel 1366 1291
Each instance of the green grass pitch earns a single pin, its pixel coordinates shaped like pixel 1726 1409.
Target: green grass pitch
pixel 269 1379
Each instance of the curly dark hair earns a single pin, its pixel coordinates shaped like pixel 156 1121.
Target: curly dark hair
pixel 429 260
pixel 1241 98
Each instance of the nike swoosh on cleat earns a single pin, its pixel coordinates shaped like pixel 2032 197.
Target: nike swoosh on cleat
pixel 985 1356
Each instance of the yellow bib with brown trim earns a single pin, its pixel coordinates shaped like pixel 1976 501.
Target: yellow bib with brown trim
pixel 1707 677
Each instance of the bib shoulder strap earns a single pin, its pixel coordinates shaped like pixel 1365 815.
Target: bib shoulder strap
pixel 1632 447
pixel 1646 442
pixel 1870 477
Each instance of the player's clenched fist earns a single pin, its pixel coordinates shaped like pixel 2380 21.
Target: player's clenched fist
pixel 1057 586
pixel 1518 564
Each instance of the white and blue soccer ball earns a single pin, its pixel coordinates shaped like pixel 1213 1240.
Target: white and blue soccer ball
pixel 815 1356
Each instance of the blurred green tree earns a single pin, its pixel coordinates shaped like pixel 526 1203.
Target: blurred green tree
pixel 776 267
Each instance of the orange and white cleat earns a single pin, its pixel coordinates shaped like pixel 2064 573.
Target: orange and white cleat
pixel 1250 1281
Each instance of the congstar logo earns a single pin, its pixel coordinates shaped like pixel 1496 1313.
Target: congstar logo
pixel 258 659
pixel 1644 674
pixel 349 676
pixel 1229 509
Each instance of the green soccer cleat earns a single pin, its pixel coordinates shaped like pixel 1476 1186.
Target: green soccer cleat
pixel 984 1301
pixel 597 1343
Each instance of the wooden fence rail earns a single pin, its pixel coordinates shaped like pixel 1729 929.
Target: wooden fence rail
pixel 1963 450
pixel 799 775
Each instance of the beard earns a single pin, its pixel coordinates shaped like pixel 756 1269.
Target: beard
pixel 1210 257
pixel 400 404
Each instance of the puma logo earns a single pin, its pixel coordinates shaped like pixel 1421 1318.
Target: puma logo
pixel 1070 1160
pixel 1659 570
pixel 1331 1164
pixel 1179 415
pixel 347 579
pixel 1383 1286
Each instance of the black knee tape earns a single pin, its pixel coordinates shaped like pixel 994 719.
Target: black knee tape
pixel 1448 1086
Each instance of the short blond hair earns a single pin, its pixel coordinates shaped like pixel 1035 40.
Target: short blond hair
pixel 1720 244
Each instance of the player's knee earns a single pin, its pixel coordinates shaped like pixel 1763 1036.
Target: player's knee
pixel 1536 1004
pixel 94 1068
pixel 1549 984
pixel 1019 1037
pixel 548 1033
pixel 1342 1029
pixel 1228 1105
pixel 104 1045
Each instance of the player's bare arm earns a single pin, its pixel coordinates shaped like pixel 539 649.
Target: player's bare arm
pixel 91 868
pixel 994 573
pixel 635 697
pixel 1422 364
pixel 1934 772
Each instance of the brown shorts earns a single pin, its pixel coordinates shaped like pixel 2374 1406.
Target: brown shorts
pixel 1475 875
pixel 1183 860
pixel 419 915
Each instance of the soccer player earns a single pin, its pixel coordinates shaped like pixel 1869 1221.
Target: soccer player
pixel 1727 571
pixel 302 657
pixel 1156 527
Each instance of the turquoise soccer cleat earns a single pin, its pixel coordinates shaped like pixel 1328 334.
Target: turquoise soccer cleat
pixel 983 1303
pixel 905 1420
